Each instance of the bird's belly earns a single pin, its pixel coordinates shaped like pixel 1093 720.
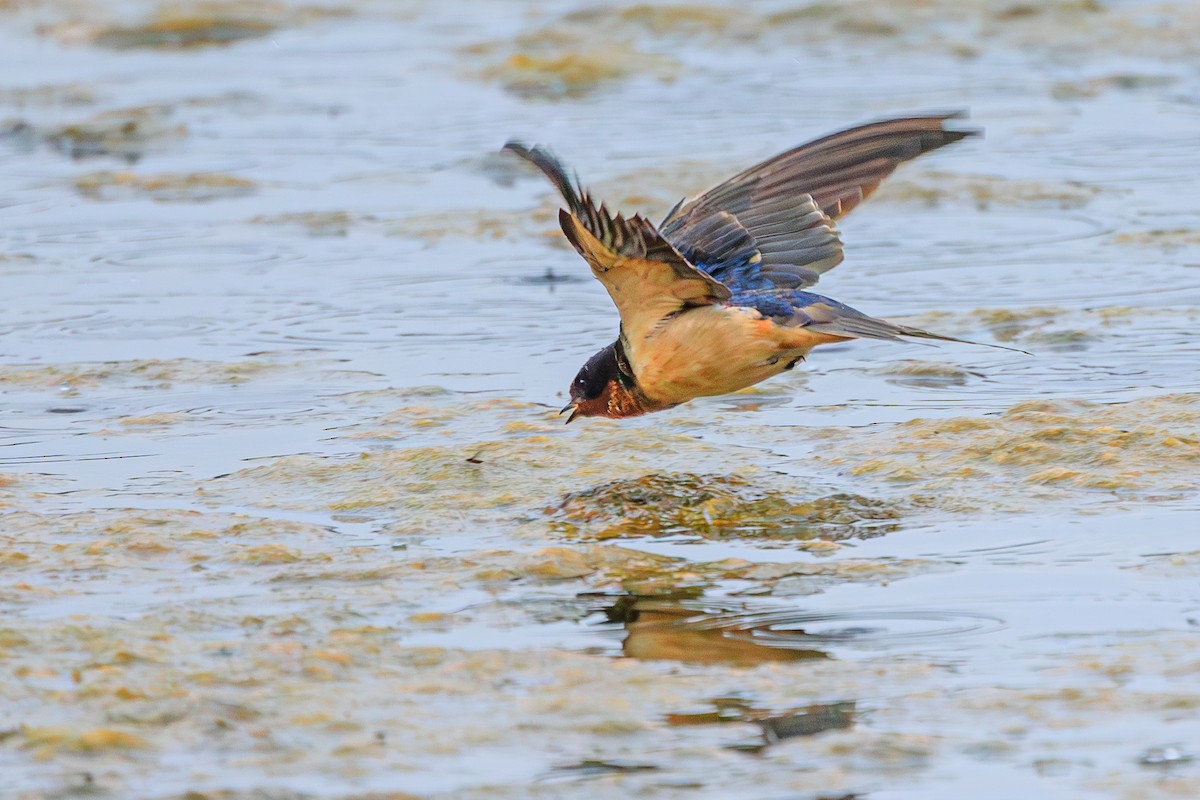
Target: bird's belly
pixel 710 351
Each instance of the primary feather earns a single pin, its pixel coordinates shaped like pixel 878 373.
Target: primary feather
pixel 788 203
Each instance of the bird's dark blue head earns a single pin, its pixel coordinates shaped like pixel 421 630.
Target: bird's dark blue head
pixel 592 383
pixel 606 386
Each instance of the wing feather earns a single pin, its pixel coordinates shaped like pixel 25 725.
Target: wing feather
pixel 789 202
pixel 646 276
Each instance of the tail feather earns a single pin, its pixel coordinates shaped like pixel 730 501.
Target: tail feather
pixel 823 315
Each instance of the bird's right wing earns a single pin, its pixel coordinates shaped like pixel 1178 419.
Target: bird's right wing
pixel 647 278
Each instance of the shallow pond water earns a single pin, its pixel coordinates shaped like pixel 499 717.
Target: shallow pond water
pixel 288 511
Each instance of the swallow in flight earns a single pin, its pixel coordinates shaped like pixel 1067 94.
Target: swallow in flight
pixel 713 299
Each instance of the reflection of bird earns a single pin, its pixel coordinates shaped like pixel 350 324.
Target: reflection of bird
pixel 711 300
pixel 668 630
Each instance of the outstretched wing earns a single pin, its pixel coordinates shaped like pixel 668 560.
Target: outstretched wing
pixel 786 205
pixel 646 276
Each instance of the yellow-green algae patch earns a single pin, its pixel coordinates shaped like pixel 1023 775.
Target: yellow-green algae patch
pixel 128 133
pixel 571 73
pixel 160 634
pixel 1077 30
pixel 175 26
pixel 49 740
pixel 50 94
pixel 192 187
pixel 612 568
pixel 686 20
pixel 184 30
pixel 1123 81
pixel 715 506
pixel 533 471
pixel 478 224
pixel 521 469
pixel 315 223
pixel 94 543
pixel 277 669
pixel 264 692
pixel 158 420
pixel 594 568
pixel 467 223
pixel 937 187
pixel 566 61
pixel 68 379
pixel 1034 451
pixel 1047 328
pixel 1166 238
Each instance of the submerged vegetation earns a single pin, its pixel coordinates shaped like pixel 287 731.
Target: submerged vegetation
pixel 714 505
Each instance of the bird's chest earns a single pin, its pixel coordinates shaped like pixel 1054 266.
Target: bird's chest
pixel 705 351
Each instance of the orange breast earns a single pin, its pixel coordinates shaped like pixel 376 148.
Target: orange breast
pixel 713 350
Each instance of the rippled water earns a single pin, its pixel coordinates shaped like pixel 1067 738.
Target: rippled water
pixel 286 508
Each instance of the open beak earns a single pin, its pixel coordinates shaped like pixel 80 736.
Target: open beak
pixel 573 408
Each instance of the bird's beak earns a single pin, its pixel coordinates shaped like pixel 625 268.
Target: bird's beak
pixel 573 408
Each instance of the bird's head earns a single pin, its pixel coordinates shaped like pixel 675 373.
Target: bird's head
pixel 601 389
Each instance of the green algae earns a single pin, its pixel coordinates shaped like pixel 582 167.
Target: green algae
pixel 182 26
pixel 539 477
pixel 1094 87
pixel 1166 238
pixel 476 224
pixel 1050 328
pixel 149 372
pixel 684 20
pixel 568 60
pixel 314 223
pixel 571 73
pixel 193 679
pixel 194 187
pixel 714 506
pixel 1043 449
pixel 178 32
pixel 51 94
pixel 528 459
pixel 126 133
pixel 934 188
pixel 584 49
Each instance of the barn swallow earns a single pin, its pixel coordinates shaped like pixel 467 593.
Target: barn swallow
pixel 712 299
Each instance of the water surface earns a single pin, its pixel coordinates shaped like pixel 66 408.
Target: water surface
pixel 288 512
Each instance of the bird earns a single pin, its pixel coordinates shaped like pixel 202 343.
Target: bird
pixel 714 298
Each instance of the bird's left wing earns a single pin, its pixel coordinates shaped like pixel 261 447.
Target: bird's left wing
pixel 647 278
pixel 788 203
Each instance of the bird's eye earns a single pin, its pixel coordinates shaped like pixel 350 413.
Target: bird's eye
pixel 593 378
